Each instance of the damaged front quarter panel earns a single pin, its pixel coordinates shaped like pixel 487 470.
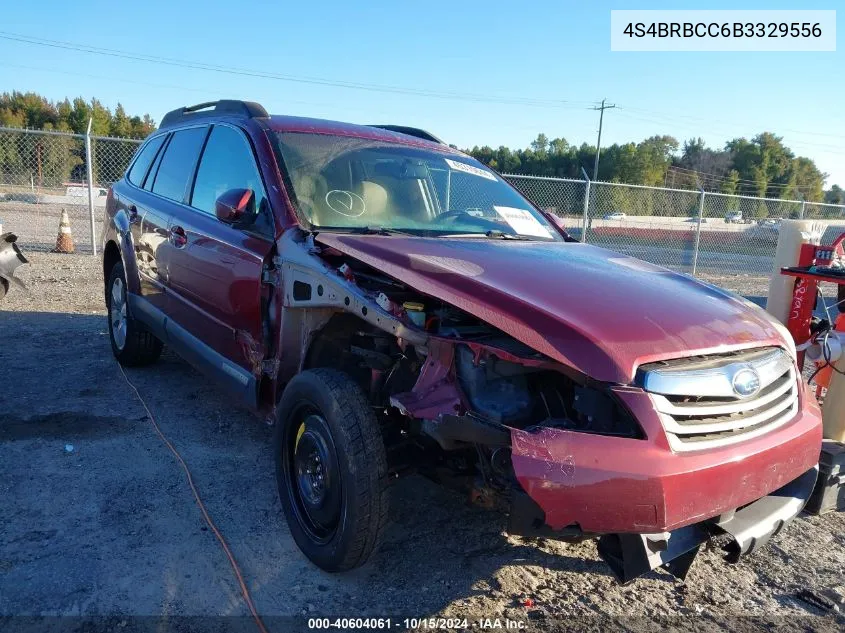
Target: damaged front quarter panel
pixel 313 292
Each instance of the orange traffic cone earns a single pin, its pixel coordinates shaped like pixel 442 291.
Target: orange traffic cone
pixel 64 241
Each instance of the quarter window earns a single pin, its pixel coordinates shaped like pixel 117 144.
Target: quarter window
pixel 177 165
pixel 145 158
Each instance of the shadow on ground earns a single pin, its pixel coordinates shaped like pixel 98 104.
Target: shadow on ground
pixel 102 520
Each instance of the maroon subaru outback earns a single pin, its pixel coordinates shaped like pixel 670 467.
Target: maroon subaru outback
pixel 392 305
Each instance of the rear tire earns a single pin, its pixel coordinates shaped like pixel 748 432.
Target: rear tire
pixel 331 469
pixel 131 343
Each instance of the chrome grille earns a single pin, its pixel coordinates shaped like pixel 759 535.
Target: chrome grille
pixel 700 408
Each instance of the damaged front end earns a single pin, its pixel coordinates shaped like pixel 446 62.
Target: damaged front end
pixel 545 436
pixel 534 429
pixel 10 258
pixel 566 456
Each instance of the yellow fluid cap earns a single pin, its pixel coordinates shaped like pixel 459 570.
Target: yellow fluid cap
pixel 413 306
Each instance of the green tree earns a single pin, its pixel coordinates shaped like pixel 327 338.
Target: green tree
pixel 730 185
pixel 835 195
pixel 120 124
pixel 50 161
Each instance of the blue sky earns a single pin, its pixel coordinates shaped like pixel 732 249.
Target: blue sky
pixel 544 50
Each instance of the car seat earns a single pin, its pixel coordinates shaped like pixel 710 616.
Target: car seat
pixel 404 196
pixel 310 190
pixel 376 203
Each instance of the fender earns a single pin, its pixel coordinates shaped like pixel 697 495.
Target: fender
pixel 328 293
pixel 119 231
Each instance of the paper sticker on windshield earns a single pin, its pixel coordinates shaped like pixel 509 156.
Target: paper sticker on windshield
pixel 469 169
pixel 522 221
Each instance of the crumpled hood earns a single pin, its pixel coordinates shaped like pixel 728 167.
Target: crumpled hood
pixel 598 311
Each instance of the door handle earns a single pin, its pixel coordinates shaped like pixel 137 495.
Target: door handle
pixel 178 236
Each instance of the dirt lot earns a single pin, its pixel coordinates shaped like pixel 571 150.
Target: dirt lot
pixel 97 517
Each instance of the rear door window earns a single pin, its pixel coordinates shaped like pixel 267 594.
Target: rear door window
pixel 177 164
pixel 145 158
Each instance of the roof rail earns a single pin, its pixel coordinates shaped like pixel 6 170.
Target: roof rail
pixel 410 131
pixel 246 109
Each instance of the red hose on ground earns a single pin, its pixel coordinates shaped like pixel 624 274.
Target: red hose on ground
pixel 235 567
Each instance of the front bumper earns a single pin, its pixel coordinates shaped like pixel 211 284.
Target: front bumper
pixel 614 485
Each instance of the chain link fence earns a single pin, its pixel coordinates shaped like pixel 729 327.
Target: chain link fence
pixel 685 230
pixel 43 173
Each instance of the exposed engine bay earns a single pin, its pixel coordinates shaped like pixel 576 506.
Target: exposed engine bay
pixel 500 380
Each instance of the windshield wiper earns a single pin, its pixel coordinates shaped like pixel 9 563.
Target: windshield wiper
pixel 501 235
pixel 493 235
pixel 378 230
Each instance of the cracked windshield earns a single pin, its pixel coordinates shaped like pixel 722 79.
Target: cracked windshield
pixel 362 184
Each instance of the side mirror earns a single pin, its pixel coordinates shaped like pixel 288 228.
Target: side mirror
pixel 234 204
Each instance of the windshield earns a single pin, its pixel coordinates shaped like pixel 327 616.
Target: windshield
pixel 353 183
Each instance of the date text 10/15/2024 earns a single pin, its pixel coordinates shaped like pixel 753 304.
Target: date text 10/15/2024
pixel 417 624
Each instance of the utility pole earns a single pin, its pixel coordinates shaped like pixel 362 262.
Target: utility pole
pixel 602 108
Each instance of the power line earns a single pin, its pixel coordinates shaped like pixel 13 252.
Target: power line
pixel 833 149
pixel 715 179
pixel 208 93
pixel 734 124
pixel 194 65
pixel 721 177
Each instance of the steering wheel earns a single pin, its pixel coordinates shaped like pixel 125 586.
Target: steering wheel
pixel 453 217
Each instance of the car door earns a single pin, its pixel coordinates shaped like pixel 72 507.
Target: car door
pixel 165 186
pixel 148 223
pixel 215 289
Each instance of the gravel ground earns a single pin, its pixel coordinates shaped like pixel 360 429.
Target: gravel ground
pixel 97 517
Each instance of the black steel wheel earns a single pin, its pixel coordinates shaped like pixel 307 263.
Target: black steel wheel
pixel 317 494
pixel 331 469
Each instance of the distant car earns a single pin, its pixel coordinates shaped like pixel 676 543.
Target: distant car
pixel 734 218
pixel 768 229
pixel 703 220
pixel 81 191
pixel 616 215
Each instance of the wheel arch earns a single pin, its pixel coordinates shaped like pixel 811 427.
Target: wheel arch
pixel 337 331
pixel 111 256
pixel 329 346
pixel 115 252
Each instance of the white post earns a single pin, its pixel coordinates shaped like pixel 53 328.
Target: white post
pixel 586 206
pixel 698 233
pixel 89 162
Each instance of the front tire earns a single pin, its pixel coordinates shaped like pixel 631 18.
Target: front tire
pixel 331 469
pixel 131 344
